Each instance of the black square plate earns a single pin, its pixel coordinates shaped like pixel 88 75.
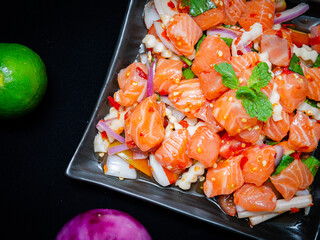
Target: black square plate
pixel 84 165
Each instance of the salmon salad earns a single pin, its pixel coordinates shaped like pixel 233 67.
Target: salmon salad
pixel 224 99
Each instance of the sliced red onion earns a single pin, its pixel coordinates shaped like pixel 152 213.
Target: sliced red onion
pixel 168 44
pixel 102 127
pixel 150 14
pixel 279 150
pixel 290 14
pixel 152 71
pixel 222 32
pixel 110 119
pixel 166 100
pixel 118 148
pixel 139 155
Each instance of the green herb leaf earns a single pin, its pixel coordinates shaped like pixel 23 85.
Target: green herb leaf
pixel 317 62
pixel 312 163
pixel 198 7
pixel 228 41
pixel 200 41
pixel 294 65
pixel 272 143
pixel 226 26
pixel 255 102
pixel 260 76
pixel 188 74
pixel 185 3
pixel 285 162
pixel 229 78
pixel 158 96
pixel 186 60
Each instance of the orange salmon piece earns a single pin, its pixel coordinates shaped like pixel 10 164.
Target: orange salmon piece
pixel 211 84
pixel 133 84
pixel 212 50
pixel 292 88
pixel 233 10
pixel 231 115
pixel 296 176
pixel 277 130
pixel 172 153
pixel 258 11
pixel 210 18
pixel 315 38
pixel 304 134
pixel 183 33
pixel 243 62
pixel 205 114
pixel 187 96
pixel 277 43
pixel 204 146
pixel 313 78
pixel 144 125
pixel 251 134
pixel 168 73
pixel 225 178
pixel 230 146
pixel 259 164
pixel 255 198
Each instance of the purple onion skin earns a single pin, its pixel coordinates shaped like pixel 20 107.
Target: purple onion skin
pixel 103 224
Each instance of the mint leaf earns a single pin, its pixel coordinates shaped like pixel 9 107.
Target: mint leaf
pixel 312 163
pixel 294 65
pixel 186 60
pixel 260 76
pixel 256 103
pixel 317 62
pixel 311 102
pixel 284 163
pixel 198 7
pixel 185 3
pixel 188 74
pixel 200 41
pixel 228 41
pixel 272 143
pixel 229 78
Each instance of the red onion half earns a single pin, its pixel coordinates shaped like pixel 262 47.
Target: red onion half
pixel 291 13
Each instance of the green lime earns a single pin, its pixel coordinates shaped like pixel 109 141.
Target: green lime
pixel 23 80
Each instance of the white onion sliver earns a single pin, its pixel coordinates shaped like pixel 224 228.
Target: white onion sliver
pixel 166 100
pixel 159 31
pixel 279 150
pixel 150 14
pixel 177 114
pixel 157 172
pixel 118 167
pixel 164 10
pixel 290 14
pixel 302 192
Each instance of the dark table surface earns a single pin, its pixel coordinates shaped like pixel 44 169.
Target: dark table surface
pixel 76 41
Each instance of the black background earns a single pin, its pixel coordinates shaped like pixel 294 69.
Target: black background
pixel 76 41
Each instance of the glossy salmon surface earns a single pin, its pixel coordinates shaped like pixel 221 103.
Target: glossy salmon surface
pixel 233 10
pixel 211 18
pixel 313 78
pixel 255 198
pixel 277 130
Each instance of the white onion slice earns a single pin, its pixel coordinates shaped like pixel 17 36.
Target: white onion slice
pixel 118 167
pixel 159 31
pixel 165 12
pixel 150 14
pixel 177 114
pixel 309 110
pixel 290 14
pixel 157 172
pixel 166 100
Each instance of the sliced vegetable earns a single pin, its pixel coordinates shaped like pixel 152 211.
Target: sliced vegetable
pixel 294 65
pixel 118 148
pixel 164 38
pixel 198 7
pixel 188 74
pixel 312 163
pixel 285 162
pixel 186 60
pixel 200 41
pixel 290 14
pixel 103 224
pixel 311 102
pixel 127 155
pixel 228 41
pixel 150 14
pixel 117 167
pixel 222 32
pixel 317 62
pixel 113 103
pixel 102 126
pixel 152 71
